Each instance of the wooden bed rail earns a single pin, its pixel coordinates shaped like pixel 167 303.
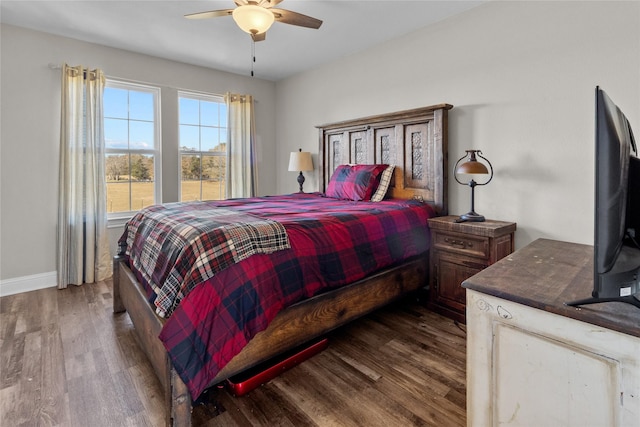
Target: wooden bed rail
pixel 292 327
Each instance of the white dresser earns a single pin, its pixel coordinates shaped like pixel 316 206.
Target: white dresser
pixel 533 361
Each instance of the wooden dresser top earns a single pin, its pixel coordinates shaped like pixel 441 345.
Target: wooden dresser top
pixel 548 273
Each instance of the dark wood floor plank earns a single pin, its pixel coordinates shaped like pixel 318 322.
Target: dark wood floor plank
pixel 12 351
pixel 54 385
pixel 94 398
pixel 317 396
pixel 67 360
pixel 369 405
pixel 30 384
pixel 417 388
pixel 10 405
pixel 147 388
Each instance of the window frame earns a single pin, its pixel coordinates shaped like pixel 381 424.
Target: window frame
pixel 119 218
pixel 208 97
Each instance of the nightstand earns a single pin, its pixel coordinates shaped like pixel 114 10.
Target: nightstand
pixel 458 251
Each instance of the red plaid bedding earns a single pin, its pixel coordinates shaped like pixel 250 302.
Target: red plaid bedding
pixel 333 243
pixel 179 245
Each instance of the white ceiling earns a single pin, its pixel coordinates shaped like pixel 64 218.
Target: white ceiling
pixel 158 28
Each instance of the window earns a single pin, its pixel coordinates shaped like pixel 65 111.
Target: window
pixel 132 146
pixel 203 146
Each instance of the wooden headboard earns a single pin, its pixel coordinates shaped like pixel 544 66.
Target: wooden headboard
pixel 413 140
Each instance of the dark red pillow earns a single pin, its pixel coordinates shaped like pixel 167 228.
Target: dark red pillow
pixel 354 182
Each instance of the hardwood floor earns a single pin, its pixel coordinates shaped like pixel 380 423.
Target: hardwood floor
pixel 67 360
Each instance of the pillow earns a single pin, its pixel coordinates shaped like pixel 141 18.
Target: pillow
pixel 385 180
pixel 354 182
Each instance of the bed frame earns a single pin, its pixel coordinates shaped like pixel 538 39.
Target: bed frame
pixel 416 142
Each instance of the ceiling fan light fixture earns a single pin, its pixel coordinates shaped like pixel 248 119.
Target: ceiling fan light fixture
pixel 253 19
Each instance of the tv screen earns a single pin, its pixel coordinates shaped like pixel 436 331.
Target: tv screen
pixel 617 208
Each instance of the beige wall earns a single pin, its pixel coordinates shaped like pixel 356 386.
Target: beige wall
pixel 30 114
pixel 521 76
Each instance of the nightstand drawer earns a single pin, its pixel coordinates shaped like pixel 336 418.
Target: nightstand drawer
pixel 463 244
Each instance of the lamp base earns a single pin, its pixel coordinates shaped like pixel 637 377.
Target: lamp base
pixel 471 217
pixel 300 181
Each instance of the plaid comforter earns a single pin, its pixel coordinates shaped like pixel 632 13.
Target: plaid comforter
pixel 179 245
pixel 333 243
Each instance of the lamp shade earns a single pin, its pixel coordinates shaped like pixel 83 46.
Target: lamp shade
pixel 300 161
pixel 253 19
pixel 472 165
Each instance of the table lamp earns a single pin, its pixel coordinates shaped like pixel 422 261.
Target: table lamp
pixel 300 161
pixel 471 166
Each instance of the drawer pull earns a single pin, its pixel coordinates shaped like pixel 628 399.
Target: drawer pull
pixel 456 242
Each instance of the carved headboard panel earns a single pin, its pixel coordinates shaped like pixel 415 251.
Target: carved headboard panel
pixel 413 140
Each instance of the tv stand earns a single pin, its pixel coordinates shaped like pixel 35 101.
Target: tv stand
pixel 532 360
pixel 632 299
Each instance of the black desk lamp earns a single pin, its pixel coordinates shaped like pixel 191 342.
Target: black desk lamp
pixel 472 166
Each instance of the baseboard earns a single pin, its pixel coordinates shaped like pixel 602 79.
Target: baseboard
pixel 28 283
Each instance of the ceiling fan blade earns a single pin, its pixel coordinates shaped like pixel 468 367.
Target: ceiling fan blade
pixel 295 18
pixel 259 37
pixel 209 14
pixel 240 2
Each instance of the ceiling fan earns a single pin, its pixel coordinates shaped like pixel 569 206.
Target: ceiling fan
pixel 256 16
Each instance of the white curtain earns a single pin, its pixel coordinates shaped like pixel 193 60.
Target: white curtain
pixel 83 248
pixel 241 150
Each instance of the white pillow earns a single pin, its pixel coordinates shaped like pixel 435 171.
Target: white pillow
pixel 385 180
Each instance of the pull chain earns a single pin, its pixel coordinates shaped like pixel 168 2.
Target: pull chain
pixel 253 54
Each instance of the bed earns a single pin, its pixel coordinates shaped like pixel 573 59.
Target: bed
pixel 413 140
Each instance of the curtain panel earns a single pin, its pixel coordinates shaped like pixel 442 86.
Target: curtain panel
pixel 241 150
pixel 83 248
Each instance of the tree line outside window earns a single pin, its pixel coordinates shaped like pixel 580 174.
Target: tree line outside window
pixel 132 146
pixel 203 146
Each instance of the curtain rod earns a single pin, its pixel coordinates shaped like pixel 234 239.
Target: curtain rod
pixel 85 71
pixel 53 66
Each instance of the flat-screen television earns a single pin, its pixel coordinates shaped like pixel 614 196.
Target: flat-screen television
pixel 617 208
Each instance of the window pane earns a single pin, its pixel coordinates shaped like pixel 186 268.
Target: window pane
pixel 189 111
pixel 220 148
pixel 117 167
pixel 213 190
pixel 209 113
pixel 118 196
pixel 141 195
pixel 209 138
pixel 190 190
pixel 115 103
pixel 141 168
pixel 116 134
pixel 130 112
pixel 202 133
pixel 141 106
pixel 117 171
pixel 190 167
pixel 190 184
pixel 142 182
pixel 189 138
pixel 213 175
pixel 141 135
pixel 223 114
pixel 214 167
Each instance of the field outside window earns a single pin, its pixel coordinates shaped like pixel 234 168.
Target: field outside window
pixel 131 142
pixel 203 146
